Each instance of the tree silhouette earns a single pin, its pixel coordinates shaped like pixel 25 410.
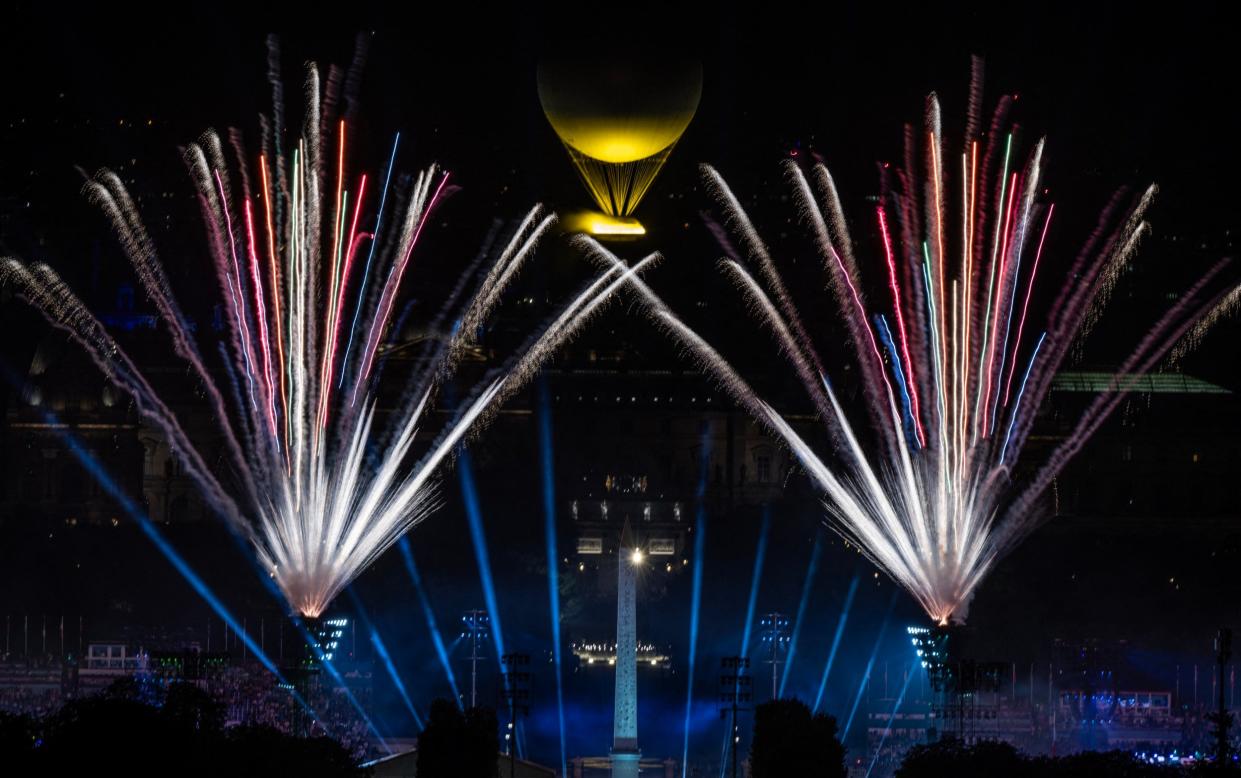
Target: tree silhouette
pixel 458 745
pixel 788 740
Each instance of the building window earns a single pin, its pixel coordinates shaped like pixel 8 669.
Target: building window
pixel 764 469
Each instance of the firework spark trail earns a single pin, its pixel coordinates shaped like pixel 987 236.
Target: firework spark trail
pixel 900 323
pixel 801 345
pixel 753 291
pixel 983 376
pixel 57 303
pixel 1227 306
pixel 1021 393
pixel 575 316
pixel 107 191
pixel 310 492
pixel 1169 330
pixel 1068 317
pixel 1025 306
pixel 260 308
pixel 842 270
pixel 370 256
pixel 1015 276
pixel 504 271
pixel 1117 264
pixel 933 508
pixel 416 220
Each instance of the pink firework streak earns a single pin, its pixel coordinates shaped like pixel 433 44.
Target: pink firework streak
pixel 389 293
pixel 321 487
pixel 935 511
pixel 900 323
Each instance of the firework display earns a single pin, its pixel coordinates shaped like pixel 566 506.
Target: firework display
pixel 311 258
pixel 954 357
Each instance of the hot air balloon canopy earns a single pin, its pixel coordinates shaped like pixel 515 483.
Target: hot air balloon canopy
pixel 619 120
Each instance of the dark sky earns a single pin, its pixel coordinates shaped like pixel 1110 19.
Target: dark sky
pixel 1144 95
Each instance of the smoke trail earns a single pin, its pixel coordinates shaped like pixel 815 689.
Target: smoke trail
pixel 974 112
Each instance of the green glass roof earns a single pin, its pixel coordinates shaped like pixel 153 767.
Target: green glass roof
pixel 1149 383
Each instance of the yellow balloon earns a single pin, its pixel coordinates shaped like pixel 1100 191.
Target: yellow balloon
pixel 619 112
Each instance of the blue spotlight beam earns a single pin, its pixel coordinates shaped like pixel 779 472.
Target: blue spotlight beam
pixel 812 572
pixel 760 554
pixel 148 527
pixel 474 516
pixel 553 553
pixel 840 631
pixel 700 531
pixel 328 665
pixel 870 665
pixel 436 637
pixel 377 641
pixel 382 650
pixel 895 709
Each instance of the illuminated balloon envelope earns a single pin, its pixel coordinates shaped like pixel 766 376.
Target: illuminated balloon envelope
pixel 619 122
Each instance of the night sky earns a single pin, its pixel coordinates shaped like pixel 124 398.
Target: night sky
pixel 1124 95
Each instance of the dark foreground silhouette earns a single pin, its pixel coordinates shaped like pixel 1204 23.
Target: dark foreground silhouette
pixel 131 730
pixel 789 740
pixel 457 744
pixel 988 759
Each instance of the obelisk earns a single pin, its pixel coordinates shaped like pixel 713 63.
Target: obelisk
pixel 625 753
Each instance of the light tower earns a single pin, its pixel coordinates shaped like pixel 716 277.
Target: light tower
pixel 734 690
pixel 477 624
pixel 625 752
pixel 775 628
